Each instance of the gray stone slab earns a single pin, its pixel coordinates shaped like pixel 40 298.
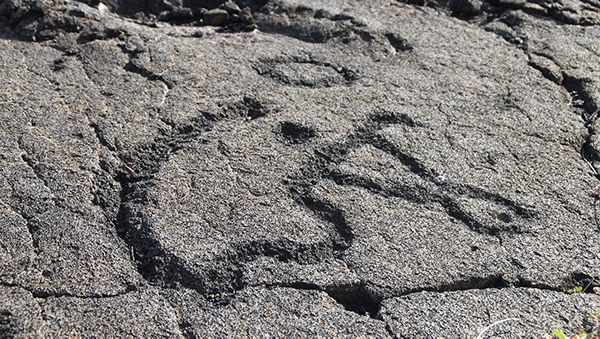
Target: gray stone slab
pixel 306 168
pixel 279 312
pixel 136 314
pixel 380 168
pixel 466 314
pixel 59 201
pixel 20 313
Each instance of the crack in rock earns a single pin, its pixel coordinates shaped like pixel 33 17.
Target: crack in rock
pixel 245 182
pixel 354 297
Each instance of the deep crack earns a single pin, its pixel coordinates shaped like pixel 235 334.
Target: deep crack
pixel 360 298
pixel 353 297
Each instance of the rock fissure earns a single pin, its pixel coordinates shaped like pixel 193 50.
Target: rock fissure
pixel 213 200
pixel 547 65
pixel 353 297
pixel 46 295
pixel 359 297
pixel 589 109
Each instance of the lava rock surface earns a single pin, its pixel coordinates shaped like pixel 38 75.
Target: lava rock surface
pixel 298 168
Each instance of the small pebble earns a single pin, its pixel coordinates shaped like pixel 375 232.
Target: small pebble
pixel 440 180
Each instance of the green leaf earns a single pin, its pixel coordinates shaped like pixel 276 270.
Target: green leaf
pixel 559 334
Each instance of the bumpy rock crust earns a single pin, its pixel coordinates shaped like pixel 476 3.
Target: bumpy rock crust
pixel 298 168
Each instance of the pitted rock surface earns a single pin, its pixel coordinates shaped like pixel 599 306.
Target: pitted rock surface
pixel 300 168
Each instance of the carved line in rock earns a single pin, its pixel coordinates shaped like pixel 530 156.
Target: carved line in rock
pixel 248 108
pixel 132 67
pixel 446 196
pixel 306 72
pixel 343 236
pixel 400 44
pixel 296 133
pixel 282 250
pixel 162 268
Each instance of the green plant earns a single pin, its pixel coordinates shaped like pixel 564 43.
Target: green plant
pixel 576 289
pixel 594 334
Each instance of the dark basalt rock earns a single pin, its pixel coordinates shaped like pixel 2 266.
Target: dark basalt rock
pixel 216 17
pixel 465 7
pixel 297 168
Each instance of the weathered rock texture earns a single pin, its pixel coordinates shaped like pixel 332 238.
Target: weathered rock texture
pixel 305 168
